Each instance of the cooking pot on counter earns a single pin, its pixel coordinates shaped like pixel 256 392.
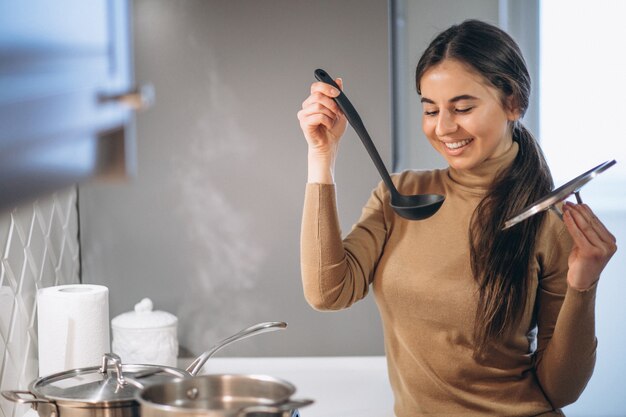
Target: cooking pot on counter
pixel 221 395
pixel 94 391
pixel 112 389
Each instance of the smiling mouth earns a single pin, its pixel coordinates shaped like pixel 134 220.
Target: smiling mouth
pixel 459 144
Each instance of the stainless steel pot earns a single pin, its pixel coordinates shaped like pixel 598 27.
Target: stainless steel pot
pixel 106 391
pixel 110 390
pixel 221 395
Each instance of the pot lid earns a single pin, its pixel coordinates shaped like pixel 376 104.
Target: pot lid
pixel 102 386
pixel 560 194
pixel 143 317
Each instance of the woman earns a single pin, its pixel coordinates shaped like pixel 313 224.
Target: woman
pixel 477 320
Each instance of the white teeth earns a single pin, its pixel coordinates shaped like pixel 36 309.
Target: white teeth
pixel 456 145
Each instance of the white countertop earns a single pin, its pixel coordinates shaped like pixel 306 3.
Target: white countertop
pixel 340 386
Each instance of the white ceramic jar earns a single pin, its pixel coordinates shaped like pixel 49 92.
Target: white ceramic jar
pixel 145 336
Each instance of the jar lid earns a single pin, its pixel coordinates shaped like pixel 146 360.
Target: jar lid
pixel 144 318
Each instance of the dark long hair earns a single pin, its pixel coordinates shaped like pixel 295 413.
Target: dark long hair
pixel 500 259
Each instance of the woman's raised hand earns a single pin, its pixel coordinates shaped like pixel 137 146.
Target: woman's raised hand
pixel 321 120
pixel 593 247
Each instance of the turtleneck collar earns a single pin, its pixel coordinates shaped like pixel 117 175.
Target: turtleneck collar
pixel 479 179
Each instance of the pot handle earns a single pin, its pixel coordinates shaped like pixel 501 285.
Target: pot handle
pixel 276 408
pixel 36 403
pixel 259 328
pixel 16 397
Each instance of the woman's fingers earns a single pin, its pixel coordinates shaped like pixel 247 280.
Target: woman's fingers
pixel 585 233
pixel 313 120
pixel 599 227
pixel 593 247
pixel 321 119
pixel 326 89
pixel 310 117
pixel 320 100
pixel 316 112
pixel 593 229
pixel 588 232
pixel 316 106
pixel 324 94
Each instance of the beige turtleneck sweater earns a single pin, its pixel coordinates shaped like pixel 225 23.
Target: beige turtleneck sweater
pixel 421 278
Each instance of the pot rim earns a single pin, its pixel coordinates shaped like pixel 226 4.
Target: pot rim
pixel 176 408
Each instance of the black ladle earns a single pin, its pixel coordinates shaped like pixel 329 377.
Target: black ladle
pixel 412 207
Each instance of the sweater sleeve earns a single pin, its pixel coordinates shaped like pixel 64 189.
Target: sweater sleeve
pixel 566 339
pixel 337 272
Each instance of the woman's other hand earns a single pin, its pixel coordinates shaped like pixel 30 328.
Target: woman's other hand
pixel 321 120
pixel 593 247
pixel 323 124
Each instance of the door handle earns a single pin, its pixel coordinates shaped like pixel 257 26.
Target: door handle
pixel 139 98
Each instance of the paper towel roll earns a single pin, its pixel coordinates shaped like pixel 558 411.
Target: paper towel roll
pixel 73 327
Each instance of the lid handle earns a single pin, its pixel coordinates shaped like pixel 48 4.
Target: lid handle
pixel 144 306
pixel 116 361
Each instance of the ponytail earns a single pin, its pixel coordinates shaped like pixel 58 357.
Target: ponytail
pixel 500 259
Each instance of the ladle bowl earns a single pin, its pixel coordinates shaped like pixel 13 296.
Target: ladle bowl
pixel 416 207
pixel 411 207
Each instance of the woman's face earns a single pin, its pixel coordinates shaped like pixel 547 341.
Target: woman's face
pixel 464 118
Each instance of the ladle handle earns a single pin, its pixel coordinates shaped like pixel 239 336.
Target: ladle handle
pixel 356 122
pixel 197 364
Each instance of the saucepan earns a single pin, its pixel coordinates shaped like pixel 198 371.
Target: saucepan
pixel 221 395
pixel 112 389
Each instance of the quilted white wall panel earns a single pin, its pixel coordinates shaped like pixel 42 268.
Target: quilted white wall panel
pixel 38 248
